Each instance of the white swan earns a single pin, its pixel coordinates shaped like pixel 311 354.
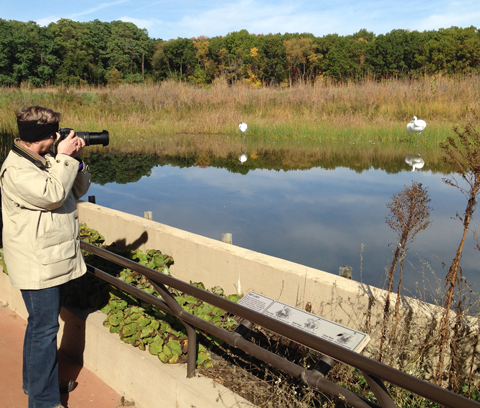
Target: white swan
pixel 416 125
pixel 243 128
pixel 415 161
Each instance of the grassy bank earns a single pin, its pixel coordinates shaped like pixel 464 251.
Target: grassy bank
pixel 324 112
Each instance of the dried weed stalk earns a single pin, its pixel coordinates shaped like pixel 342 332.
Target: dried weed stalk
pixel 462 153
pixel 409 214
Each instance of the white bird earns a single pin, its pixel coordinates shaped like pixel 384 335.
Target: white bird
pixel 415 161
pixel 242 157
pixel 243 128
pixel 416 125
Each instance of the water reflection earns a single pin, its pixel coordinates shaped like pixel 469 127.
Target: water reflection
pixel 242 157
pixel 415 161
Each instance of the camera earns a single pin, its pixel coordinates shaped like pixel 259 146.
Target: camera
pixel 91 138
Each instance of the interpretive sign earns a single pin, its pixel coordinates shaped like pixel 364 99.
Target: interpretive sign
pixel 300 319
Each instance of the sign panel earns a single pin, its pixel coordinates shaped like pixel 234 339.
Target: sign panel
pixel 300 319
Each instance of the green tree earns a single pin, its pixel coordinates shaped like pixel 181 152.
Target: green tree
pixel 127 48
pixel 48 60
pixel 23 53
pixel 218 54
pixel 344 58
pixel 69 52
pixel 452 51
pixel 273 59
pixel 73 50
pixel 393 55
pixel 98 35
pixel 6 53
pixel 175 58
pixel 237 46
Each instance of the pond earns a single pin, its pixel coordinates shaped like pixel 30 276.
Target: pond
pixel 320 206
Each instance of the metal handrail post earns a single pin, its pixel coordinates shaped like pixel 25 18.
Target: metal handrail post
pixel 379 390
pixel 191 332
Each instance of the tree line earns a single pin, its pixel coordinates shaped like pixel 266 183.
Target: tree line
pixel 101 53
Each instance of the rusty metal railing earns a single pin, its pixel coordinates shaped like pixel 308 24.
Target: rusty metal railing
pixel 373 371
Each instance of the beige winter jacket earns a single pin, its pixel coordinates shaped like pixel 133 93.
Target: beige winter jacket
pixel 41 244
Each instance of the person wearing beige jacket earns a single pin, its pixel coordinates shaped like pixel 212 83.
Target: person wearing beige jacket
pixel 41 238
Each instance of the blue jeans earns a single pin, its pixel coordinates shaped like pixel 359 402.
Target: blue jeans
pixel 40 362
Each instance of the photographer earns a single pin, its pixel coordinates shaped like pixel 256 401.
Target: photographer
pixel 41 239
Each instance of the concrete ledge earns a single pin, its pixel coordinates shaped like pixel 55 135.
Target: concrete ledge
pixel 135 374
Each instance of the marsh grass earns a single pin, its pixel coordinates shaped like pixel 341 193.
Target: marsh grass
pixel 377 111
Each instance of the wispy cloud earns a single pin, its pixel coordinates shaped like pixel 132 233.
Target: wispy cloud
pixel 75 16
pixel 141 23
pixel 261 17
pixel 97 8
pixel 245 14
pixel 47 20
pixel 459 18
pixel 255 16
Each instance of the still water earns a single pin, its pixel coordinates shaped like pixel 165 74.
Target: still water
pixel 322 217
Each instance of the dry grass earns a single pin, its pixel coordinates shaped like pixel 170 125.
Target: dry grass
pixel 375 110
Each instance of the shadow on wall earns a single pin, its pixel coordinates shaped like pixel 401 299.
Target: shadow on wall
pixel 141 240
pixel 73 335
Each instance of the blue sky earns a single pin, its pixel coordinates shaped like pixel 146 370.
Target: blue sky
pixel 167 19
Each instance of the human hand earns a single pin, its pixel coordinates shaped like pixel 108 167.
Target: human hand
pixel 72 145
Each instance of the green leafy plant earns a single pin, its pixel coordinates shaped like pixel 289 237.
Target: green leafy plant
pixel 141 324
pixel 91 236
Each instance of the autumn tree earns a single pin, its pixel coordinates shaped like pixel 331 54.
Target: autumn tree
pixel 298 51
pixel 205 70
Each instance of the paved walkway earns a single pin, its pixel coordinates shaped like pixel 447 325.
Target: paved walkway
pixel 91 391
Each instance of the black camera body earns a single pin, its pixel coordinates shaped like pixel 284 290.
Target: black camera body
pixel 91 138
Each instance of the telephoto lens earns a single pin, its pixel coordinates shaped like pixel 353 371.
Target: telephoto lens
pixel 91 138
pixel 94 138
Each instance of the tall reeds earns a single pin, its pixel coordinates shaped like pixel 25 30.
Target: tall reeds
pixel 324 111
pixel 462 152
